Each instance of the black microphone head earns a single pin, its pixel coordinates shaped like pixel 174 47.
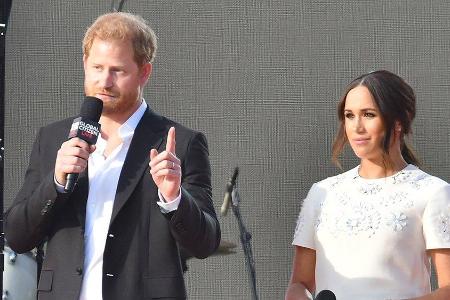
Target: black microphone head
pixel 91 108
pixel 326 295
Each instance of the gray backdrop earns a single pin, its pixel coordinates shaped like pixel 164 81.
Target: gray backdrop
pixel 261 79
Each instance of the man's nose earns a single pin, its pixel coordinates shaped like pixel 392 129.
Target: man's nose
pixel 107 79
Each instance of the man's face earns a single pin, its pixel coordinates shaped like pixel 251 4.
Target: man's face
pixel 112 75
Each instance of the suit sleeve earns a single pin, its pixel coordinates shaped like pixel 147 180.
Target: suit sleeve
pixel 194 224
pixel 28 219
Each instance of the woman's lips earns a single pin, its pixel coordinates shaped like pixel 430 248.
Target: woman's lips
pixel 361 141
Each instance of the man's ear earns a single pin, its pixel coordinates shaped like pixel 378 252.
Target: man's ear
pixel 146 71
pixel 84 61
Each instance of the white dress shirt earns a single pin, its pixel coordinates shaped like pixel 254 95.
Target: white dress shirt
pixel 104 175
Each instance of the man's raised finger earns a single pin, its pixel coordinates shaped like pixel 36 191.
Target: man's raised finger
pixel 170 145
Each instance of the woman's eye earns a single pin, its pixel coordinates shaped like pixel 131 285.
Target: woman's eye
pixel 348 115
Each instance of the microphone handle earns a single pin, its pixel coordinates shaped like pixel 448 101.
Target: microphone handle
pixel 71 180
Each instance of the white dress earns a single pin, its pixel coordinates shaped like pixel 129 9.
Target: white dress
pixel 371 235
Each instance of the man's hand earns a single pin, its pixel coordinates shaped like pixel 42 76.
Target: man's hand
pixel 166 170
pixel 72 158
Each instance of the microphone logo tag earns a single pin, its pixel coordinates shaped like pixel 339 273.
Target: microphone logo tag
pixel 85 130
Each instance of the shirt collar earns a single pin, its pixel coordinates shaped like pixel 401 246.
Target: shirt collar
pixel 126 130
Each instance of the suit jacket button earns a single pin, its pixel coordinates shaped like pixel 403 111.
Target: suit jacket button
pixel 79 271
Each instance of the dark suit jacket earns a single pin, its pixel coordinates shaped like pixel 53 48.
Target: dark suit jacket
pixel 141 257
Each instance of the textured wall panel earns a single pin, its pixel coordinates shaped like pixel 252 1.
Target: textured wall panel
pixel 261 79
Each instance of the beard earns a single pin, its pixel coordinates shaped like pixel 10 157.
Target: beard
pixel 122 103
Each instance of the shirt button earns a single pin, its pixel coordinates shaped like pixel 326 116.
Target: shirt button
pixel 79 271
pixel 110 235
pixel 109 275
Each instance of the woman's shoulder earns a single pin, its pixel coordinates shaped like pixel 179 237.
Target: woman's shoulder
pixel 424 179
pixel 338 179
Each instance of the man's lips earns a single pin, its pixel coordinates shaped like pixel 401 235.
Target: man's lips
pixel 105 96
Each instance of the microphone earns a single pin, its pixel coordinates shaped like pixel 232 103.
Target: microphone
pixel 87 128
pixel 228 191
pixel 326 295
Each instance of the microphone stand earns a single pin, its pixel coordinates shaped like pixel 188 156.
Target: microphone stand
pixel 246 241
pixel 113 6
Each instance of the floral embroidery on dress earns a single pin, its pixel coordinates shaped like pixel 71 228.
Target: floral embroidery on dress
pixel 370 188
pixel 368 210
pixel 444 224
pixel 348 217
pixel 401 177
pixel 420 182
pixel 402 199
pixel 362 218
pixel 356 207
pixel 336 180
pixel 397 221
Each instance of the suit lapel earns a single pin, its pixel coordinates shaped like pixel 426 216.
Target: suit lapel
pixel 148 134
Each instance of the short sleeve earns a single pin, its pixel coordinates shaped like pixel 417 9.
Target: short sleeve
pixel 436 219
pixel 305 230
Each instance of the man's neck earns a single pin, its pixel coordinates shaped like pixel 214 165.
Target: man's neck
pixel 111 122
pixel 110 133
pixel 110 127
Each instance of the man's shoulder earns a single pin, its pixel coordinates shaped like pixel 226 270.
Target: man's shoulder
pixel 164 124
pixel 63 124
pixel 58 130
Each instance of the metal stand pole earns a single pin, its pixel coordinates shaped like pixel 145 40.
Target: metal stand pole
pixel 246 242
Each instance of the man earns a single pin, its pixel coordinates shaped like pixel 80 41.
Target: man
pixel 144 189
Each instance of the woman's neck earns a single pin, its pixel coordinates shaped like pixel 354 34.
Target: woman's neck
pixel 372 169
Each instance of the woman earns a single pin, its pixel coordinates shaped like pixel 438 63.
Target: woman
pixel 368 234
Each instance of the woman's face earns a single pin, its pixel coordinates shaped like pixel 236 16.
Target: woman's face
pixel 363 124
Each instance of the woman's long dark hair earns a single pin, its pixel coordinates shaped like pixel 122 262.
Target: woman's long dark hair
pixel 396 102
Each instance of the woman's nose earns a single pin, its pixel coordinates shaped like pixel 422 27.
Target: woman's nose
pixel 359 125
